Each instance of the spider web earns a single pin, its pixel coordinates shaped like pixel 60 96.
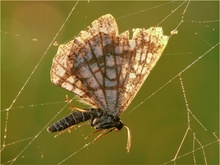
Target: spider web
pixel 173 119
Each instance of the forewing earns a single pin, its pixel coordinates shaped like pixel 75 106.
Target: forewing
pixel 86 65
pixel 106 69
pixel 147 46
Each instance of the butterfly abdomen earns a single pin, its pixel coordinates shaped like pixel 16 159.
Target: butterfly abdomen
pixel 73 119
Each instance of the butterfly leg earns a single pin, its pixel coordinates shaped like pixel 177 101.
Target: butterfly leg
pixel 73 107
pixel 106 131
pixel 63 131
pixel 92 133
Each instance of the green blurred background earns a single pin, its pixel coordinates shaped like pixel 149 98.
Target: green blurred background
pixel 158 125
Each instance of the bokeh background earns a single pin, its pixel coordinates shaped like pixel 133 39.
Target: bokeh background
pixel 158 125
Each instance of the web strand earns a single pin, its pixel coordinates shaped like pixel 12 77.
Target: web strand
pixel 188 131
pixel 26 82
pixel 144 10
pixel 185 69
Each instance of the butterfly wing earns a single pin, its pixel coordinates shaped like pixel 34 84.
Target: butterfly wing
pixel 106 69
pixel 91 65
pixel 147 47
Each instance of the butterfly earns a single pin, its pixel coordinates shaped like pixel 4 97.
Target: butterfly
pixel 106 70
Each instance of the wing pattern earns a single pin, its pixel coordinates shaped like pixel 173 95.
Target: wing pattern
pixel 104 68
pixel 147 48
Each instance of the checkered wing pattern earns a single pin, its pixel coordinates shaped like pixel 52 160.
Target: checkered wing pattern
pixel 104 68
pixel 147 46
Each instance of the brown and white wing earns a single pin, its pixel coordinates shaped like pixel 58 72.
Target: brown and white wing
pixel 147 46
pixel 106 69
pixel 87 67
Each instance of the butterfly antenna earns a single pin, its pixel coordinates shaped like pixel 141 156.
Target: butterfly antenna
pixel 129 139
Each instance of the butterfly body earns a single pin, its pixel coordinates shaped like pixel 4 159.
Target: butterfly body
pixel 96 117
